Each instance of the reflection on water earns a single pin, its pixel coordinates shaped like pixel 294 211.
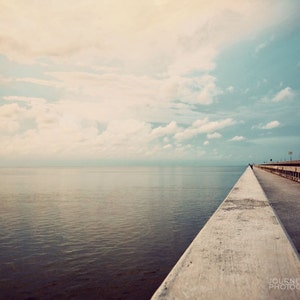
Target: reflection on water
pixel 101 233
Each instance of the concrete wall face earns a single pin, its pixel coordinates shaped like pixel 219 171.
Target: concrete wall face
pixel 242 252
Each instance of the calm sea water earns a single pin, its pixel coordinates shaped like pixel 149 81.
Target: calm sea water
pixel 101 233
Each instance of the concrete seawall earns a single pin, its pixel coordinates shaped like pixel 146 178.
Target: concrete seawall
pixel 241 252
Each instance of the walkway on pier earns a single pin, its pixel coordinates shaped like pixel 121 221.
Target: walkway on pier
pixel 284 196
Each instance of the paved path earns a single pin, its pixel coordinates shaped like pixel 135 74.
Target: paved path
pixel 284 196
pixel 241 253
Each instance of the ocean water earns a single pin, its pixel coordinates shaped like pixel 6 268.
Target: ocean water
pixel 101 233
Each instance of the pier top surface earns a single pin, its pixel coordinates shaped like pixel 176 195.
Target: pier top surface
pixel 284 196
pixel 241 253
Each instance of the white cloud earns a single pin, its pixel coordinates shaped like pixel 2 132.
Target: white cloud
pixel 39 81
pixel 36 109
pixel 237 138
pixel 203 126
pixel 112 96
pixel 214 135
pixel 208 92
pixel 285 94
pixel 206 143
pixel 5 80
pixel 171 128
pixel 196 90
pixel 270 125
pixel 185 63
pixel 108 86
pixel 29 100
pixel 56 131
pixel 186 134
pixel 172 37
pixel 168 146
pixel 260 47
pixel 264 44
pixel 104 97
pixel 9 117
pixel 128 136
pixel 215 125
pixel 230 89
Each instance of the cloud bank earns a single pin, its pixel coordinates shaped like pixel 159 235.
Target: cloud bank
pixel 116 79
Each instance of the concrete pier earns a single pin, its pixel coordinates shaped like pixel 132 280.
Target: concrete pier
pixel 242 252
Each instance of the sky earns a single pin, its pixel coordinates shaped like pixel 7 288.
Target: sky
pixel 99 81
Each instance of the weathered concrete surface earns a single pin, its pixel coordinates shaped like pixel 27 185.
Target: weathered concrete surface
pixel 237 254
pixel 284 196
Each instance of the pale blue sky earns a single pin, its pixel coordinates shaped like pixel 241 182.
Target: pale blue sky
pixel 87 82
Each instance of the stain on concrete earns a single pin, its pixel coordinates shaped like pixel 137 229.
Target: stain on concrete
pixel 241 204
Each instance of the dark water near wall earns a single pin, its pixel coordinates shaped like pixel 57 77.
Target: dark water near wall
pixel 101 233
